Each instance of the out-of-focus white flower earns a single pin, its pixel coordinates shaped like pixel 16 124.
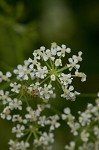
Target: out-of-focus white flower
pixel 81 75
pixel 5 77
pixel 23 145
pixel 45 140
pixel 84 136
pixel 15 104
pixel 53 122
pixel 19 130
pixel 71 146
pixel 15 87
pixel 4 97
pixel 6 114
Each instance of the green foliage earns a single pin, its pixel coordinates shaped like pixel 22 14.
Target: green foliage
pixel 16 38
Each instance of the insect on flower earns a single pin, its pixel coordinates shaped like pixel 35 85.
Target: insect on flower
pixel 32 92
pixel 35 92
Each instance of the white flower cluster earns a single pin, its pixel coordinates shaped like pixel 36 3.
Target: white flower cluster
pixel 47 66
pixel 26 99
pixel 86 129
pixel 45 140
pixel 32 125
pixel 18 145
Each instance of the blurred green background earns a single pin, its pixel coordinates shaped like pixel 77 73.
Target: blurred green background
pixel 26 25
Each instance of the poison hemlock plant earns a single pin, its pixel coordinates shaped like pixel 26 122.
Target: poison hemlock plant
pixel 37 79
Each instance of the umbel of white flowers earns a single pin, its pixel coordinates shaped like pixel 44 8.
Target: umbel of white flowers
pixel 45 68
pixel 36 79
pixel 85 129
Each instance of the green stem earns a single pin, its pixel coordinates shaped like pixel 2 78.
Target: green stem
pixel 58 80
pixel 87 95
pixel 26 101
pixel 29 136
pixel 60 70
pixel 48 65
pixel 34 132
pixel 45 79
pixel 13 94
pixel 51 64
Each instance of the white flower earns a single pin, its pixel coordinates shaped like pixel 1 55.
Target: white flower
pixel 65 79
pixel 15 87
pixel 15 104
pixel 68 94
pixel 23 72
pixel 53 122
pixel 4 97
pixel 81 75
pixel 19 130
pixel 45 139
pixel 53 52
pixel 32 114
pixel 23 145
pixel 6 113
pixel 58 62
pixel 63 50
pixel 33 62
pixel 71 146
pixel 73 63
pixel 33 90
pixel 53 78
pixel 84 136
pixel 67 110
pixel 46 92
pixel 96 131
pixel 42 121
pixel 38 53
pixel 66 113
pixel 74 128
pixel 18 118
pixel 87 146
pixel 53 45
pixel 47 55
pixel 98 94
pixel 41 72
pixel 79 56
pixel 97 102
pixel 5 77
pixel 68 50
pixel 85 118
pixel 13 145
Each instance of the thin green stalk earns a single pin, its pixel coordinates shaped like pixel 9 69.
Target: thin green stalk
pixel 51 64
pixel 29 136
pixel 87 95
pixel 48 65
pixel 58 80
pixel 60 70
pixel 45 79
